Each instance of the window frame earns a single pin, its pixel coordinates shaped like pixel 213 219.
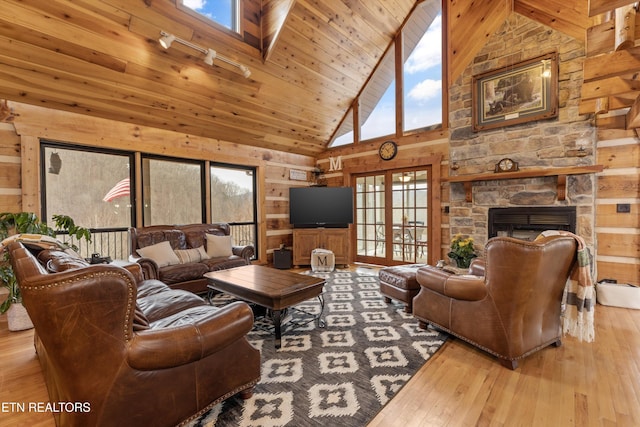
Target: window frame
pixel 203 177
pixel 46 143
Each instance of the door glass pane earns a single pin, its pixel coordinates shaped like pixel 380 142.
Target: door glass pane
pixel 370 216
pixel 172 192
pixel 399 232
pixel 410 216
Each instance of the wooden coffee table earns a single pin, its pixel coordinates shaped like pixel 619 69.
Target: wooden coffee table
pixel 268 287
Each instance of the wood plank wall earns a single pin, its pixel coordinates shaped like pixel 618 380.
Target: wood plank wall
pixel 33 123
pixel 10 170
pixel 618 233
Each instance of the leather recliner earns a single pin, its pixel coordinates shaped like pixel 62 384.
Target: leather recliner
pixel 509 304
pixel 130 351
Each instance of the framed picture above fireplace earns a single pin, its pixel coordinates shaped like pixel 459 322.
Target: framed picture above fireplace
pixel 518 93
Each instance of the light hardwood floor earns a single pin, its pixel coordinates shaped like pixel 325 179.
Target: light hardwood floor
pixel 578 384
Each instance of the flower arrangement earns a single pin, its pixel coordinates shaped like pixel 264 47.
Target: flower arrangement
pixel 462 251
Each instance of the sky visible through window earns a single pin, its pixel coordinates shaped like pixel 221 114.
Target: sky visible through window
pixel 423 90
pixel 423 87
pixel 219 11
pixel 423 80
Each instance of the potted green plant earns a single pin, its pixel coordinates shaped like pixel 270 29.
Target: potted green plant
pixel 462 251
pixel 27 223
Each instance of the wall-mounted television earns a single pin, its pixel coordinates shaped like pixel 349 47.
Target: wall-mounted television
pixel 330 207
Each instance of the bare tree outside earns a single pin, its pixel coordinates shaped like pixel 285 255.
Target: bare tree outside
pixel 233 201
pixel 172 192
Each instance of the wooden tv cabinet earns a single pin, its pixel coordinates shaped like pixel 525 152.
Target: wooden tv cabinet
pixel 306 240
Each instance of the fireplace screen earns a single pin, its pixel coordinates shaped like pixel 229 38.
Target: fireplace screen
pixel 527 222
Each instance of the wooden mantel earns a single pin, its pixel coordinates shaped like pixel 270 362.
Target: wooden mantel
pixel 560 173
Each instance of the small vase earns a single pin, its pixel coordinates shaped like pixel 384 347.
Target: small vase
pixel 463 262
pixel 17 317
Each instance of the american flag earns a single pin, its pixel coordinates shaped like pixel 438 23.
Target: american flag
pixel 121 189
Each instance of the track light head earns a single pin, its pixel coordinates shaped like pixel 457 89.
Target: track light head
pixel 211 55
pixel 166 39
pixel 245 71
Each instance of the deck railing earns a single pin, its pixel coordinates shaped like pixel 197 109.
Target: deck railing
pixel 115 243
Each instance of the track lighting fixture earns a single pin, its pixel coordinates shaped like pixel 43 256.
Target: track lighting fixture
pixel 167 39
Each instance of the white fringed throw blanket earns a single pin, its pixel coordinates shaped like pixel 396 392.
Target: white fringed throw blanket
pixel 579 296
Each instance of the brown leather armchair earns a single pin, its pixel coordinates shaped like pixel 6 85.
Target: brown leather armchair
pixel 512 308
pixel 128 351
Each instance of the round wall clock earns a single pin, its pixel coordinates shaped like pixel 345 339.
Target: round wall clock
pixel 388 150
pixel 506 165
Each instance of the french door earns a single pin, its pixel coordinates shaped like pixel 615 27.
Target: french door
pixel 392 216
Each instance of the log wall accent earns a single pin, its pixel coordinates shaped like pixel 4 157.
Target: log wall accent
pixel 10 169
pixel 618 233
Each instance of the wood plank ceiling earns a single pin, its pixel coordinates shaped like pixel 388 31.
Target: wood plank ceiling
pixel 309 59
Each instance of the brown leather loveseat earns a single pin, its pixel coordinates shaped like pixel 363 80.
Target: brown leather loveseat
pixel 509 304
pixel 133 352
pixel 187 272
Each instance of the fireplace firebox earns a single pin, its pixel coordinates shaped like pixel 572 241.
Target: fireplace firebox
pixel 527 222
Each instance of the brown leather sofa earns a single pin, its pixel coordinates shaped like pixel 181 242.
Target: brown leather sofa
pixel 132 352
pixel 185 276
pixel 509 304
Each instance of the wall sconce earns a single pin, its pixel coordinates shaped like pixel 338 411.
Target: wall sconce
pixel 55 163
pixel 167 39
pixel 454 166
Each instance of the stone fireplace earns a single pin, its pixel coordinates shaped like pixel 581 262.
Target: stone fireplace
pixel 567 141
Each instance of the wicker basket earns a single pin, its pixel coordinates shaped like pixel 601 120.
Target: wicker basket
pixel 17 318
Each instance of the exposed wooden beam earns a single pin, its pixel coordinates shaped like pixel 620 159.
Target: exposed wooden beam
pixel 590 106
pixel 625 22
pixel 274 15
pixel 600 38
pixel 567 17
pixel 612 64
pixel 611 86
pixel 596 7
pixel 633 115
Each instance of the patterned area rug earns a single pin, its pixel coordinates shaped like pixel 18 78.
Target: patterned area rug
pixel 341 374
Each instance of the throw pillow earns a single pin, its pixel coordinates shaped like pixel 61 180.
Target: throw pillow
pixel 218 246
pixel 191 255
pixel 162 253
